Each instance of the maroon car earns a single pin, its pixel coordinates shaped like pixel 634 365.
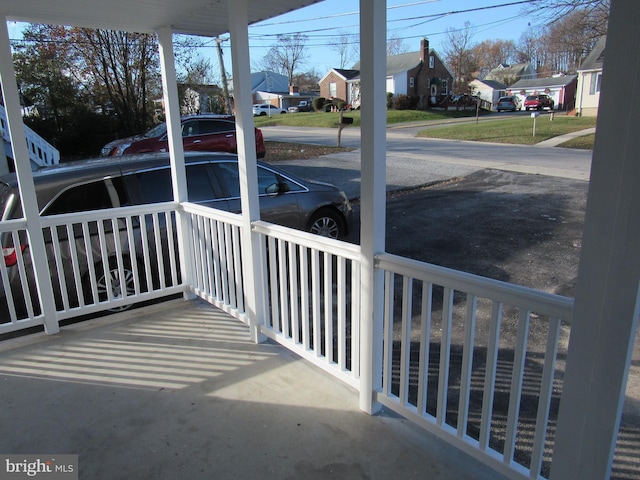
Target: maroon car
pixel 538 102
pixel 201 133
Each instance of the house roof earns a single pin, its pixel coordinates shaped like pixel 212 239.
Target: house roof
pixel 494 84
pixel 193 17
pixel 400 63
pixel 269 82
pixel 562 81
pixel 504 70
pixel 347 74
pixel 595 59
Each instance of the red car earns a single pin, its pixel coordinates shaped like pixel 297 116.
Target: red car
pixel 538 102
pixel 202 133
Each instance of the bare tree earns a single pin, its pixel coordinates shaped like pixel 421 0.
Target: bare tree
pixel 458 51
pixel 597 13
pixel 346 47
pixel 559 47
pixel 491 53
pixel 123 68
pixel 307 81
pixel 395 45
pixel 287 56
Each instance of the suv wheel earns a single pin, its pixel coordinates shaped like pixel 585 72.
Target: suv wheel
pixel 109 279
pixel 327 223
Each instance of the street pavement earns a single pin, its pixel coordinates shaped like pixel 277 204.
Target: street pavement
pixel 414 162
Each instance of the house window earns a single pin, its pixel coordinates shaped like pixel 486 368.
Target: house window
pixel 432 62
pixel 411 82
pixel 596 80
pixel 445 87
pixel 333 89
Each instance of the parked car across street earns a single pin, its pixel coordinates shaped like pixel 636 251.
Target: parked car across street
pixel 303 106
pixel 203 133
pixel 263 109
pixel 511 103
pixel 538 102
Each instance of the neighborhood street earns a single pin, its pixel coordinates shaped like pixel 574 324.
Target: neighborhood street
pixel 414 162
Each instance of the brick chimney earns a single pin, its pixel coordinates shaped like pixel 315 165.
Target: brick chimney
pixel 424 51
pixel 294 90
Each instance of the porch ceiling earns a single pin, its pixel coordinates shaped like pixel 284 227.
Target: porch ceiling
pixel 194 17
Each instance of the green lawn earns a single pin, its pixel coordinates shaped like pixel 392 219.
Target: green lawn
pixel 500 130
pixel 512 130
pixel 584 142
pixel 330 119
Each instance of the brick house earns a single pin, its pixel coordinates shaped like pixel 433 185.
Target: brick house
pixel 422 75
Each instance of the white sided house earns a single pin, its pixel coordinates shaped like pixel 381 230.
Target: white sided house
pixel 590 80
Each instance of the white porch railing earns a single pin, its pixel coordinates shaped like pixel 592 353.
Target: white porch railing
pixel 450 363
pixel 458 361
pixel 41 153
pixel 133 247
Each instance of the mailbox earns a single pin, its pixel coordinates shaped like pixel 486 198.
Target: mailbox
pixel 535 114
pixel 347 120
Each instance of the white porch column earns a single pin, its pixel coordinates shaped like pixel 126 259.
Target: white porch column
pixel 373 34
pixel 25 181
pixel 247 163
pixel 176 149
pixel 607 305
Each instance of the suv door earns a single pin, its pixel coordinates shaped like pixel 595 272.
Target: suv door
pixel 210 135
pixel 278 199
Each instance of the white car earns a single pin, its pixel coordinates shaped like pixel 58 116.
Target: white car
pixel 266 109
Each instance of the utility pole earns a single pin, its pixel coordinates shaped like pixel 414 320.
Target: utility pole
pixel 225 87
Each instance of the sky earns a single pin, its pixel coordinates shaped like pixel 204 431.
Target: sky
pixel 409 20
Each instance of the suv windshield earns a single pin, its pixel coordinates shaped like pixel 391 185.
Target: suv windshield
pixel 156 131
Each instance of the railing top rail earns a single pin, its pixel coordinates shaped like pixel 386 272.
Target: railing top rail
pixel 310 240
pixel 535 300
pixel 228 217
pixel 106 214
pixel 10 225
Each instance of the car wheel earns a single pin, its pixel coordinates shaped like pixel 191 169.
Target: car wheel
pixel 263 114
pixel 327 223
pixel 109 279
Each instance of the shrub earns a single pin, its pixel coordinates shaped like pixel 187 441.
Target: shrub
pixel 334 102
pixel 318 103
pixel 405 102
pixel 389 100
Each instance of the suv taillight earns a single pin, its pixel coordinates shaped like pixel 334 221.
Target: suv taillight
pixel 11 256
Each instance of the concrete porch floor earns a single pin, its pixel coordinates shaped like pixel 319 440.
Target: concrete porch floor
pixel 177 391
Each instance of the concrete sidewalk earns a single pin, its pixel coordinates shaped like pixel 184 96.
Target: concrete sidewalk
pixel 555 141
pixel 177 391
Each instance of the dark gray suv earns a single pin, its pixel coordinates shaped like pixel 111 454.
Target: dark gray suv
pixel 212 180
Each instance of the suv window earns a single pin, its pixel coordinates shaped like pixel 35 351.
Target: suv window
pixel 154 186
pixel 228 172
pixel 190 128
pixel 106 193
pixel 215 126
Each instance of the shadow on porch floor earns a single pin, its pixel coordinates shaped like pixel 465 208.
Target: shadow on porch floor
pixel 178 391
